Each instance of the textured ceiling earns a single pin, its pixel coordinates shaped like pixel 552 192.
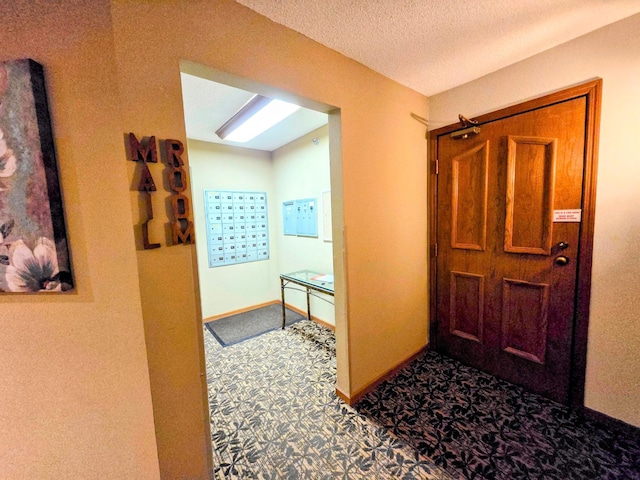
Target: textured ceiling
pixel 435 45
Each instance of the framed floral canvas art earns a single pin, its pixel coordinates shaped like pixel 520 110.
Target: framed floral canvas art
pixel 34 252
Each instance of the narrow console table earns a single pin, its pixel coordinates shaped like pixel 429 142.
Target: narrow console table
pixel 311 282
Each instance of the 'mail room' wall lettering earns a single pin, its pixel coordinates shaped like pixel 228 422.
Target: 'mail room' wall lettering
pixel 146 152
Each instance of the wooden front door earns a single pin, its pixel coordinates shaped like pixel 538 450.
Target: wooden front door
pixel 511 209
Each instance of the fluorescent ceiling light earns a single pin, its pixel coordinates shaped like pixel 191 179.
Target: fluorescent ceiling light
pixel 258 115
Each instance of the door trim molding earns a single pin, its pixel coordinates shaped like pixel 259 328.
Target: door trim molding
pixel 592 91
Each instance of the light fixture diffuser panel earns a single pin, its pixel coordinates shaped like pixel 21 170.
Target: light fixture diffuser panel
pixel 273 113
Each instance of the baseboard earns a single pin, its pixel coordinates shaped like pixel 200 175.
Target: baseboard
pixel 345 398
pixel 356 397
pixel 304 314
pixel 242 310
pixel 266 304
pixel 613 423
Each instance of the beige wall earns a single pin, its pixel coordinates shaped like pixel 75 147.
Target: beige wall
pixel 77 396
pixel 384 177
pixel 612 53
pixel 75 400
pixel 301 170
pixel 220 167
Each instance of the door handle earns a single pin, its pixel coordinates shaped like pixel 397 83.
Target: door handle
pixel 561 260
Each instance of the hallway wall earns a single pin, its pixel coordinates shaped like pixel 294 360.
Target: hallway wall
pixel 75 397
pixel 108 381
pixel 382 151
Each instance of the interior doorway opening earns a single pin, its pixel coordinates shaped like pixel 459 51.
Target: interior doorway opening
pixel 296 161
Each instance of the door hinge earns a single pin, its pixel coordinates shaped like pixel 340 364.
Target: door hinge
pixel 435 249
pixel 437 166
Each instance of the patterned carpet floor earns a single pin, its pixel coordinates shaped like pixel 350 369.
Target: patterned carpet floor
pixel 275 415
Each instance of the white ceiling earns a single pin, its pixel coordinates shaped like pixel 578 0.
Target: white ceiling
pixel 434 45
pixel 208 105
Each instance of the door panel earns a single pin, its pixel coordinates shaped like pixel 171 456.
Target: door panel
pixel 467 305
pixel 469 198
pixel 531 166
pixel 503 303
pixel 525 310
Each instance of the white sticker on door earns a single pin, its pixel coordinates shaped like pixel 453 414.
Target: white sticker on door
pixel 567 215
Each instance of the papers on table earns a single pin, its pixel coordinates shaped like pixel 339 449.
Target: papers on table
pixel 323 277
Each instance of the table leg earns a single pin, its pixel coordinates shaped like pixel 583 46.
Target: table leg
pixel 284 313
pixel 308 305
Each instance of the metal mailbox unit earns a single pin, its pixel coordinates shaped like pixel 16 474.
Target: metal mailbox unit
pixel 237 227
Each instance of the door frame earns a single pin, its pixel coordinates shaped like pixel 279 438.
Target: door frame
pixel 592 91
